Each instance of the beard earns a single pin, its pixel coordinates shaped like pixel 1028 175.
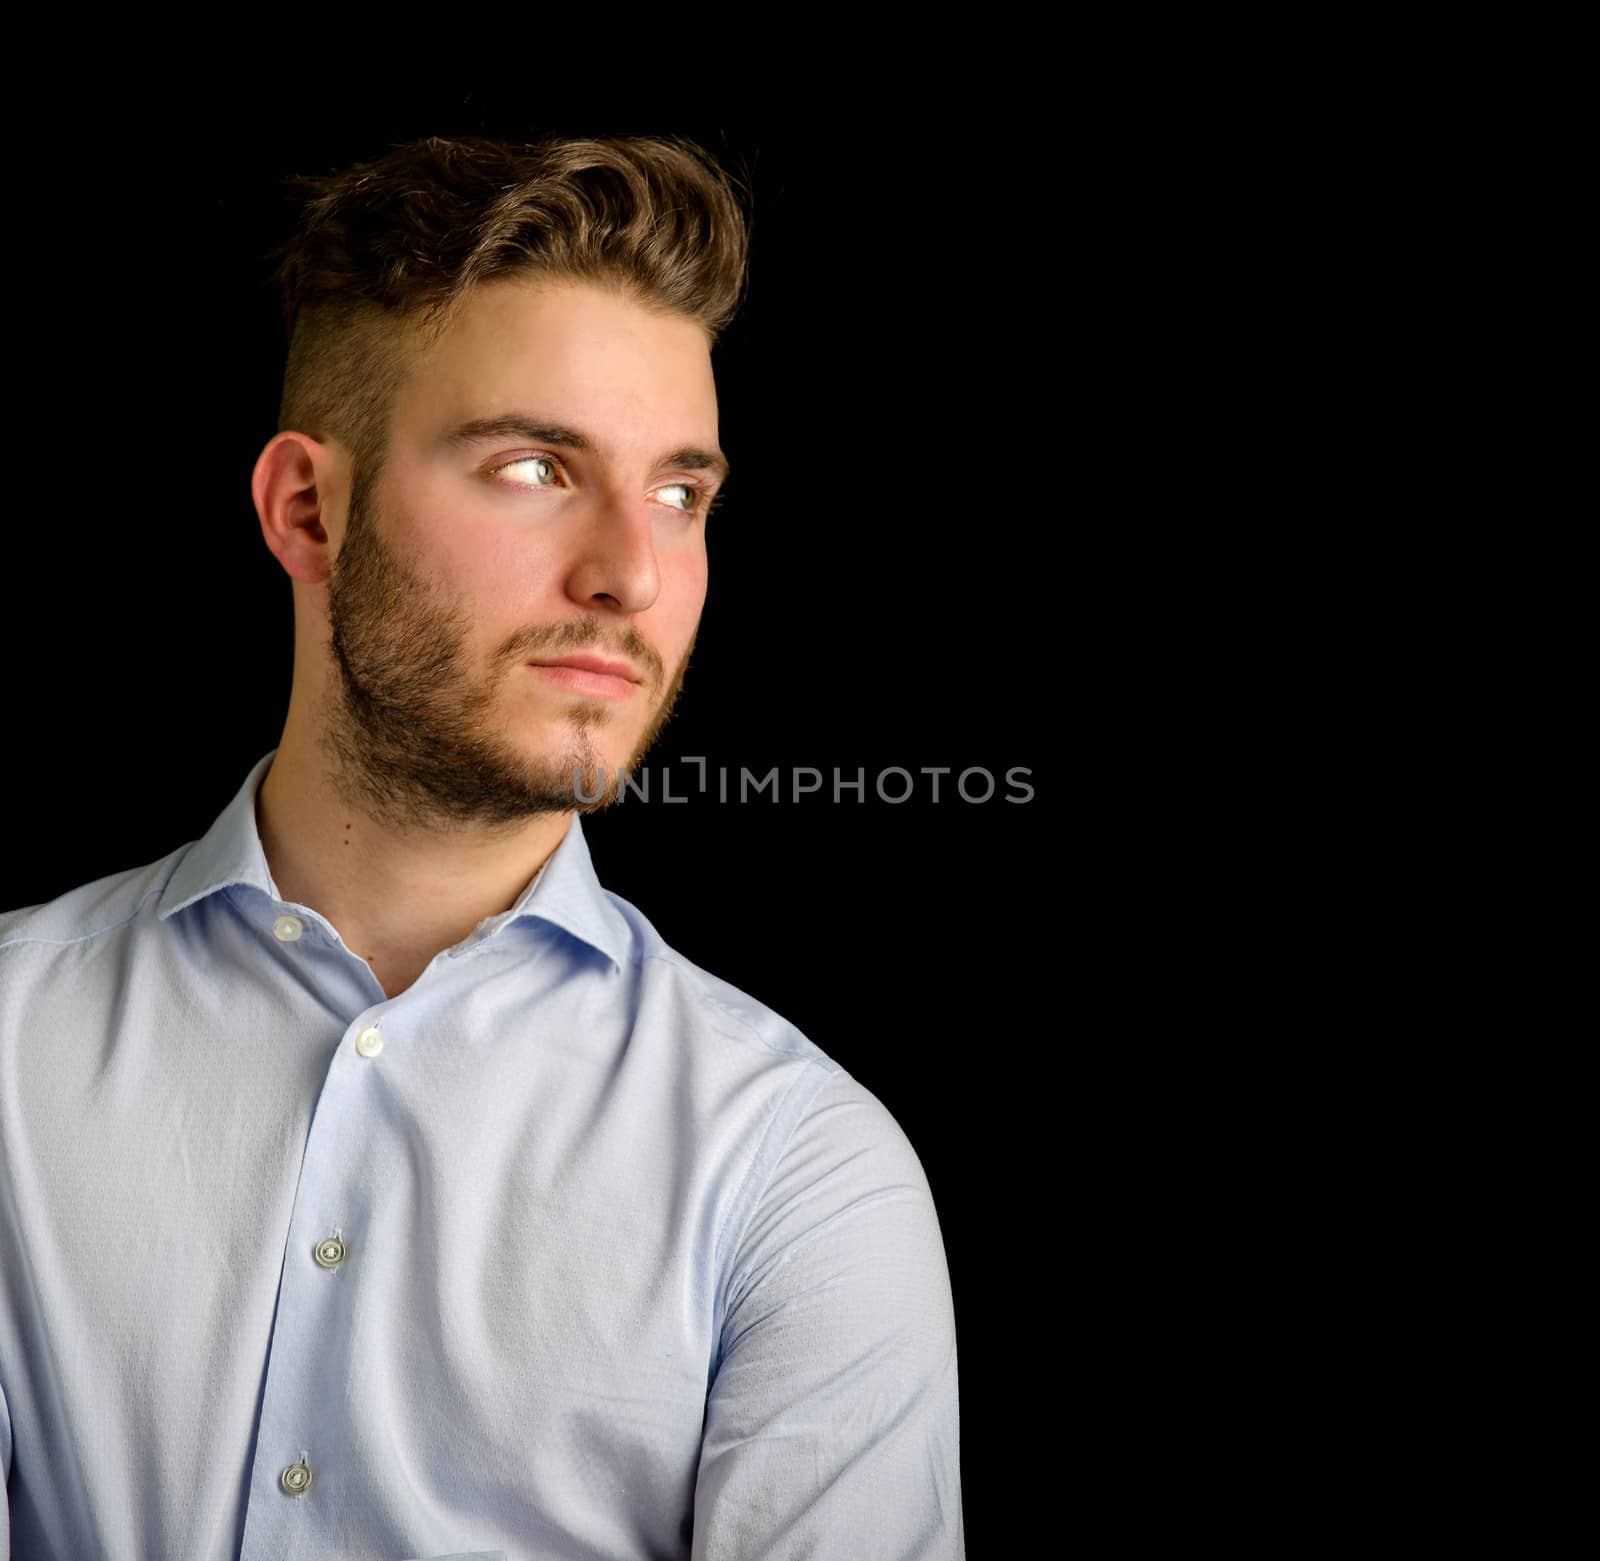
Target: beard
pixel 409 727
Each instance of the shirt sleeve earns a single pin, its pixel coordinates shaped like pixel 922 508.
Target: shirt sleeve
pixel 832 1424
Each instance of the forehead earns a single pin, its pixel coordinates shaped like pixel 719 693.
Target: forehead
pixel 579 353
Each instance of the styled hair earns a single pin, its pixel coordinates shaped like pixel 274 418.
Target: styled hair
pixel 386 253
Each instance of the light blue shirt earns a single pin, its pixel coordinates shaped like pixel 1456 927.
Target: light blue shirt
pixel 571 1251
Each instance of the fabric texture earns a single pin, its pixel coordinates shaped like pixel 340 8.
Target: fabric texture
pixel 570 1251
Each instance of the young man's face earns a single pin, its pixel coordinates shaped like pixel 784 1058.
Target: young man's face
pixel 453 576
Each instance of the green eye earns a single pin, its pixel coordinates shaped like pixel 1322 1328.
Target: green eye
pixel 528 460
pixel 695 502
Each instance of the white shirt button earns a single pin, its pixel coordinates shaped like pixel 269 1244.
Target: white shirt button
pixel 287 928
pixel 330 1252
pixel 297 1478
pixel 369 1043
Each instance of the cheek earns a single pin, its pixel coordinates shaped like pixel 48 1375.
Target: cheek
pixel 467 538
pixel 495 570
pixel 670 625
pixel 683 590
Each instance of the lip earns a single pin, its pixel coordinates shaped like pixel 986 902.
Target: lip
pixel 604 664
pixel 589 675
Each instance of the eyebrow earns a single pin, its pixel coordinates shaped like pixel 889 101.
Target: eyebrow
pixel 524 425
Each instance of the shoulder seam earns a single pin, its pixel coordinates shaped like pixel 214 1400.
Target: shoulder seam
pixel 62 943
pixel 681 963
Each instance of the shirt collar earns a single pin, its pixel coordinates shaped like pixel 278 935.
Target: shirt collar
pixel 564 892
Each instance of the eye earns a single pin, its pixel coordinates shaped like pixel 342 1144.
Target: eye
pixel 526 460
pixel 695 501
pixel 696 495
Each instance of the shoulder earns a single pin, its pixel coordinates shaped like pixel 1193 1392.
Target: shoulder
pixel 88 912
pixel 676 983
pixel 827 1117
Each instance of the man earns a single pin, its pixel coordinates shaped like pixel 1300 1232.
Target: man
pixel 372 1182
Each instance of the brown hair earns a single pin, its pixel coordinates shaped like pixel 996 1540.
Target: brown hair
pixel 385 254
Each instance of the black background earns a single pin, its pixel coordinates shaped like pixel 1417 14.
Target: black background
pixel 884 591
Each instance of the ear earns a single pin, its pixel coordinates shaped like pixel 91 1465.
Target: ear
pixel 294 478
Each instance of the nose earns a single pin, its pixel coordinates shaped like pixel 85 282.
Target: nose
pixel 614 558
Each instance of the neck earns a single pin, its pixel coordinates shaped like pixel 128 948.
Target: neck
pixel 397 894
